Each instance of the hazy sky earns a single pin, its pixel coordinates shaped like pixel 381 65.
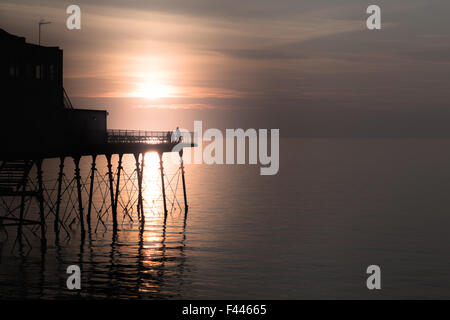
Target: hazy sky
pixel 306 67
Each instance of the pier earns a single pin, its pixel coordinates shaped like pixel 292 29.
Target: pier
pixel 41 123
pixel 20 187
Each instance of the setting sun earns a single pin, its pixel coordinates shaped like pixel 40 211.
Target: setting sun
pixel 151 89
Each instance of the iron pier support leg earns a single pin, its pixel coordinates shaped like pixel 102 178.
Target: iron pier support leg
pixel 162 183
pixel 58 196
pixel 119 169
pixel 139 177
pixel 111 191
pixel 22 204
pixel 41 202
pixel 91 191
pixel 22 212
pixel 184 182
pixel 80 199
pixel 142 177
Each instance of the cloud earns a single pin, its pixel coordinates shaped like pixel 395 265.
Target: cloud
pixel 177 106
pixel 269 62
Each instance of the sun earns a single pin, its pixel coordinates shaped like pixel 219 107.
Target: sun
pixel 152 89
pixel 155 91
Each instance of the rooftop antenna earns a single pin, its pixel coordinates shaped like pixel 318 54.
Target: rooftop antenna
pixel 41 22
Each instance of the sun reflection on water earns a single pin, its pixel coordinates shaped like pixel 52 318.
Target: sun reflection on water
pixel 152 185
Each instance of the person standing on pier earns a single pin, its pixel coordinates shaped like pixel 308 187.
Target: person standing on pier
pixel 176 135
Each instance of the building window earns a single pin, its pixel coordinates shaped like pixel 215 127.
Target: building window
pixel 38 72
pixel 14 71
pixel 52 73
pixel 29 71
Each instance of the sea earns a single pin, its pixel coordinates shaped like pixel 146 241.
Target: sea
pixel 336 207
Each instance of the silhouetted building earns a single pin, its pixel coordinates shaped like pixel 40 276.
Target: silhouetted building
pixel 35 112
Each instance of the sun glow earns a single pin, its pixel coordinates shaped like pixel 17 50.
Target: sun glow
pixel 154 90
pixel 154 85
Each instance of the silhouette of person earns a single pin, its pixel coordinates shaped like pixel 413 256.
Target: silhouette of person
pixel 178 135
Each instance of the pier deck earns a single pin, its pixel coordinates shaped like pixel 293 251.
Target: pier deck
pixel 116 142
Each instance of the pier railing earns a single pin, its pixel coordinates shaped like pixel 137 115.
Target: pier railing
pixel 141 136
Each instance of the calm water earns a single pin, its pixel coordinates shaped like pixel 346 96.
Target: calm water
pixel 335 207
